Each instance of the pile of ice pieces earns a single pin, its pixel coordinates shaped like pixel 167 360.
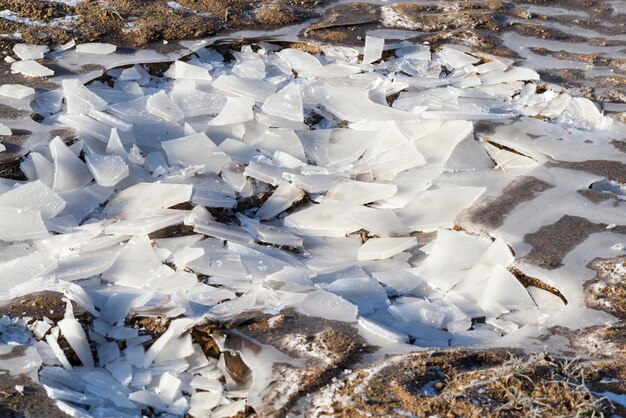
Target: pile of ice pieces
pixel 276 179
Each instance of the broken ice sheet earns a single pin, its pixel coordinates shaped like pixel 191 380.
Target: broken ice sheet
pixel 16 91
pixel 381 248
pixel 96 48
pixel 285 195
pixel 139 199
pixel 195 150
pixel 31 69
pixel 108 170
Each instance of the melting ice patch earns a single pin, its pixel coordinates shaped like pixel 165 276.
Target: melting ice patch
pixel 335 186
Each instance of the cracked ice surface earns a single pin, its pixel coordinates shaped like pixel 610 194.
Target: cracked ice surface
pixel 350 166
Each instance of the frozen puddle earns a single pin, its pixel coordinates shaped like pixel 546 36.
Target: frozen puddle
pixel 349 189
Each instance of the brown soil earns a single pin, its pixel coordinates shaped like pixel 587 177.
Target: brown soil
pixel 492 211
pixel 462 383
pixel 31 402
pixel 552 242
pixel 607 291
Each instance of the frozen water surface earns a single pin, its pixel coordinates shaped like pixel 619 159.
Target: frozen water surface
pixel 347 189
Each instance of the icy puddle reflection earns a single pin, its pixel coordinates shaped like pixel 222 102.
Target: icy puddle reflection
pixel 430 199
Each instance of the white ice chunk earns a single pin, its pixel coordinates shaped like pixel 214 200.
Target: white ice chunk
pixel 381 222
pixel 136 265
pixel 96 48
pixel 31 69
pixel 16 91
pixel 236 110
pixel 30 52
pixel 175 330
pixel 79 99
pixel 438 208
pixel 145 197
pixel 69 171
pixel 112 121
pixel 443 270
pixel 286 103
pixel 283 197
pixel 161 105
pixel 359 192
pixel 195 150
pixel 75 336
pixel 454 58
pixel 34 196
pixel 299 61
pixel 153 221
pixel 5 131
pixel 281 139
pixel 184 70
pixel 504 293
pixel 326 219
pixel 258 90
pixel 326 305
pixel 373 49
pixel 21 224
pixel 380 330
pixel 108 170
pixel 381 248
pixel 510 75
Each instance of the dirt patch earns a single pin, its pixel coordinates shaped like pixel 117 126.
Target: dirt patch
pixel 40 305
pixel 607 291
pixel 492 211
pixel 461 383
pixel 553 242
pixel 31 401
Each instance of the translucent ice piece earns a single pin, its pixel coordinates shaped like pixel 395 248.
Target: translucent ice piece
pixel 21 224
pixel 504 293
pixel 283 197
pixel 225 232
pixel 286 103
pixel 512 74
pixel 80 99
pixel 326 305
pixel 112 121
pixel 30 52
pixel 144 197
pixel 381 248
pixel 452 255
pixel 16 91
pixel 236 110
pixel 258 90
pixel 359 192
pixel 299 61
pixel 161 105
pixel 281 139
pixel 136 265
pixel 34 196
pixel 455 59
pixel 31 69
pixel 175 330
pixel 75 336
pixel 195 150
pixel 108 170
pixel 326 219
pixel 95 48
pixel 381 222
pixel 373 49
pixel 437 208
pixel 5 131
pixel 184 70
pixel 147 224
pixel 69 171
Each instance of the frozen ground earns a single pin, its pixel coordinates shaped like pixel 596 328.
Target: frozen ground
pixel 273 211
